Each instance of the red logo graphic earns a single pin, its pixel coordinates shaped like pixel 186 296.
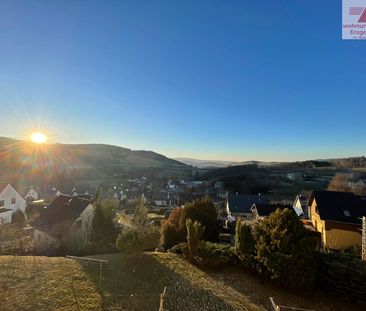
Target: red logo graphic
pixel 358 11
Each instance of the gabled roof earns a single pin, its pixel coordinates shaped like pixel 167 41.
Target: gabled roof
pixel 3 185
pixel 63 208
pixel 339 206
pixel 242 203
pixel 303 199
pixel 264 210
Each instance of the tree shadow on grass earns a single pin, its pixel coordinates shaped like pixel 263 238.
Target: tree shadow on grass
pixel 260 289
pixel 136 282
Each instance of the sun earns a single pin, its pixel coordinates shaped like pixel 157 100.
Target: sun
pixel 38 137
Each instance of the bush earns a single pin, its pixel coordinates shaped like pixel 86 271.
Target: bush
pixel 170 235
pixel 203 211
pixel 194 234
pixel 131 240
pixel 103 229
pixel 354 251
pixel 244 240
pixel 214 255
pixel 284 250
pixel 18 219
pixel 342 274
pixel 245 243
pixel 175 216
pixel 138 235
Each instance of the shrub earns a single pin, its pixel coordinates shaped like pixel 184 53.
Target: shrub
pixel 170 235
pixel 203 211
pixel 103 230
pixel 244 243
pixel 354 251
pixel 194 234
pixel 18 219
pixel 244 240
pixel 131 240
pixel 342 274
pixel 138 235
pixel 175 216
pixel 214 255
pixel 284 250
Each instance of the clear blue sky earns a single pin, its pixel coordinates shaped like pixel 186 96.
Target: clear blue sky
pixel 233 80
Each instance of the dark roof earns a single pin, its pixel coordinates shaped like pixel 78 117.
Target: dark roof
pixel 3 210
pixel 303 199
pixel 63 208
pixel 242 203
pixel 264 210
pixel 339 206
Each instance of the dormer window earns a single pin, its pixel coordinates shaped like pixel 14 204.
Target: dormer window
pixel 346 213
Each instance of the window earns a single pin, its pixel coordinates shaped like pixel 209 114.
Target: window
pixel 347 213
pixel 2 203
pixel 13 200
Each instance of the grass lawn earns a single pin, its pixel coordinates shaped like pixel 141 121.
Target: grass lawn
pixel 131 283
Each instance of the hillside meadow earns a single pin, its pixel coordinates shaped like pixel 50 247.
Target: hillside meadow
pixel 135 283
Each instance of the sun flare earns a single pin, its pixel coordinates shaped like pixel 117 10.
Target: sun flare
pixel 38 137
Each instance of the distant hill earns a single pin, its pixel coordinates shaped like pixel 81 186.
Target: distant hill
pixel 353 162
pixel 206 163
pixel 26 162
pixel 222 163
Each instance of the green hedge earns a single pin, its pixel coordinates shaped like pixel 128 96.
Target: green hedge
pixel 342 274
pixel 170 235
pixel 279 248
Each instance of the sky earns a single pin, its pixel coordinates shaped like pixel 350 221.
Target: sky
pixel 208 79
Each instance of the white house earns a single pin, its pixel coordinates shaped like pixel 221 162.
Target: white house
pixel 10 201
pixel 31 195
pixel 300 206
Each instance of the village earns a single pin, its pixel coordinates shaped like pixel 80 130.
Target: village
pixel 50 221
pixel 335 216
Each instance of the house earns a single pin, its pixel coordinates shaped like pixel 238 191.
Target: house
pixel 301 206
pixel 239 205
pixel 160 199
pixel 263 210
pixel 10 201
pixel 337 216
pixel 66 222
pixel 31 195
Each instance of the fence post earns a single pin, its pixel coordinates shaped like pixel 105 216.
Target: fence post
pixel 100 274
pixel 275 307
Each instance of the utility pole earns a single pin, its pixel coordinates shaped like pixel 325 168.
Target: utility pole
pixel 364 238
